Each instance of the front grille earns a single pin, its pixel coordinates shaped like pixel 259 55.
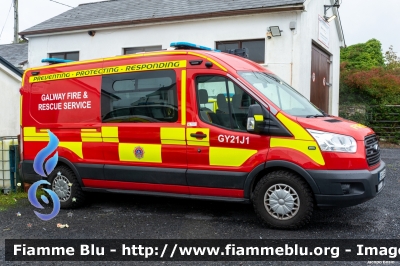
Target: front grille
pixel 372 150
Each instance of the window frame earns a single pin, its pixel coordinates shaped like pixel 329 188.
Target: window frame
pixel 64 54
pixel 227 79
pixel 143 48
pixel 240 42
pixel 175 92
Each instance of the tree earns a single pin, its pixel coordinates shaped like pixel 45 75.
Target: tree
pixel 363 56
pixel 391 59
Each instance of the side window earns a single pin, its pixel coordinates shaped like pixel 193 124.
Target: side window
pixel 222 103
pixel 140 97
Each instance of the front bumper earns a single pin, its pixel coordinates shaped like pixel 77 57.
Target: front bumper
pixel 346 187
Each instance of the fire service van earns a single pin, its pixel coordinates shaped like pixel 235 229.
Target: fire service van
pixel 194 123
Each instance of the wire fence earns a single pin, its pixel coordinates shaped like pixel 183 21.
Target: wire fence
pixel 383 119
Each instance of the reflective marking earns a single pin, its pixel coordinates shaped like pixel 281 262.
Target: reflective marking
pixel 104 59
pixel 23 79
pixel 152 152
pixel 172 136
pixel 110 134
pixel 302 140
pixel 229 156
pixel 91 135
pixel 209 59
pixel 357 126
pixel 109 70
pixel 301 146
pixel 31 132
pixel 298 131
pixel 173 142
pixel 20 110
pixel 36 138
pixel 75 147
pixel 183 97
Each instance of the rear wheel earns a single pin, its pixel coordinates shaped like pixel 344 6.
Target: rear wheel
pixel 283 200
pixel 65 184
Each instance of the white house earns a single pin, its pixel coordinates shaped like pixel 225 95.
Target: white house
pixel 10 83
pixel 306 55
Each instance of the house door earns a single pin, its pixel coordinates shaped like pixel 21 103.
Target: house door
pixel 320 64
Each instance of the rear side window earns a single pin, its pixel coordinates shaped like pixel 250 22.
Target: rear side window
pixel 141 97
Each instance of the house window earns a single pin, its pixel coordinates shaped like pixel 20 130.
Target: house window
pixel 134 50
pixel 74 56
pixel 256 48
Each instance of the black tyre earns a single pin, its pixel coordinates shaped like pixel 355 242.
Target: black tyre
pixel 65 184
pixel 283 200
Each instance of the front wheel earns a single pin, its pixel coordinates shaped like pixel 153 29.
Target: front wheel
pixel 65 184
pixel 283 200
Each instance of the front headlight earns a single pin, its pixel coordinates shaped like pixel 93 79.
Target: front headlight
pixel 334 142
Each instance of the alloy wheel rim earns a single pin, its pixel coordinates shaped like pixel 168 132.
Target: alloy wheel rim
pixel 61 187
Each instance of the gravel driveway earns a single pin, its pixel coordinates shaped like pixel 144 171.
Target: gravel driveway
pixel 132 217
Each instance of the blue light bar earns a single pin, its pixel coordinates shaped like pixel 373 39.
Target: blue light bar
pixel 191 46
pixel 55 60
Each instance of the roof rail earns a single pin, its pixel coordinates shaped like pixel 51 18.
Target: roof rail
pixel 242 52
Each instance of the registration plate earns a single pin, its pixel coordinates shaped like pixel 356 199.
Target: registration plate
pixel 380 185
pixel 382 175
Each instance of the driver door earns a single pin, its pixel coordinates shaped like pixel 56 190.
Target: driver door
pixel 221 152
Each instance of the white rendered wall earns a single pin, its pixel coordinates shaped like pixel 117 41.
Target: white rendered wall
pixel 10 84
pixel 309 33
pixel 289 55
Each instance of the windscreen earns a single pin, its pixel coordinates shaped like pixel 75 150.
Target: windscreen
pixel 281 94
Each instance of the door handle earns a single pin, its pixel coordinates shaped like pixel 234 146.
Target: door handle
pixel 199 135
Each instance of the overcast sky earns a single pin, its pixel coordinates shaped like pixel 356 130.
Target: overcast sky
pixel 361 19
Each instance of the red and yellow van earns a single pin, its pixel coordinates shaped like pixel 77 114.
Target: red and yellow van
pixel 194 124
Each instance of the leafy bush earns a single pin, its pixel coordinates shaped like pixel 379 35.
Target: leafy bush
pixel 376 86
pixel 363 55
pixel 370 88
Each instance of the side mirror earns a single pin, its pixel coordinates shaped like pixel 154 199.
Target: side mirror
pixel 256 119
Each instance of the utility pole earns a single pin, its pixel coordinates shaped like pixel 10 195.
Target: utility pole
pixel 16 37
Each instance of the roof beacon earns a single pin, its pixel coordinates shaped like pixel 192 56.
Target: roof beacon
pixel 52 61
pixel 190 46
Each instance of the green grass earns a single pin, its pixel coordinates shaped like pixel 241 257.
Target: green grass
pixel 11 199
pixel 7 201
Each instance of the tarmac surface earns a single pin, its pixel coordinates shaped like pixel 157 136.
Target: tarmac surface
pixel 144 217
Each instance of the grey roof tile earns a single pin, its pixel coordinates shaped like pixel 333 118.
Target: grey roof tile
pixel 114 11
pixel 8 65
pixel 14 53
